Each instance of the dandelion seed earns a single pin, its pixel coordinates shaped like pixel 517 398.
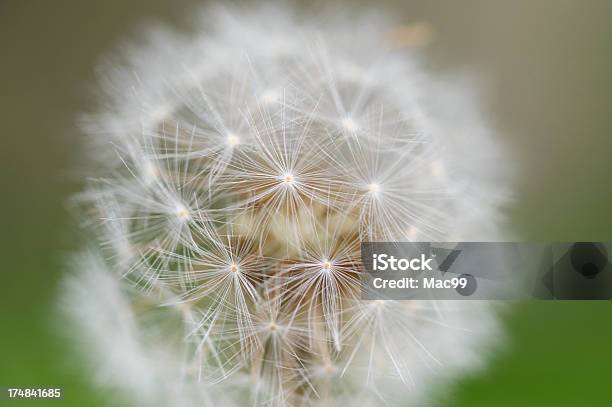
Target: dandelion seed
pixel 288 178
pixel 151 172
pixel 437 169
pixel 181 213
pixel 349 124
pixel 374 188
pixel 232 140
pixel 412 233
pixel 269 96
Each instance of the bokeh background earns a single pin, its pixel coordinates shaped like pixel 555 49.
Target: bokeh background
pixel 545 67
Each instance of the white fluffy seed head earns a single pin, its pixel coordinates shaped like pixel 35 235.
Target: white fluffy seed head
pixel 237 203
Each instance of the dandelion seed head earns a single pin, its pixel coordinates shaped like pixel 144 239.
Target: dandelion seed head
pixel 236 203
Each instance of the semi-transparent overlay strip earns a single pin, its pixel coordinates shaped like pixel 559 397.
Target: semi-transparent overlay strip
pixel 486 271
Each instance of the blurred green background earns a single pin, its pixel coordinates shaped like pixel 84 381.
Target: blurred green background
pixel 546 69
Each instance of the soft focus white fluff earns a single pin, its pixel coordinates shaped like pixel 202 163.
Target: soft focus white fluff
pixel 238 169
